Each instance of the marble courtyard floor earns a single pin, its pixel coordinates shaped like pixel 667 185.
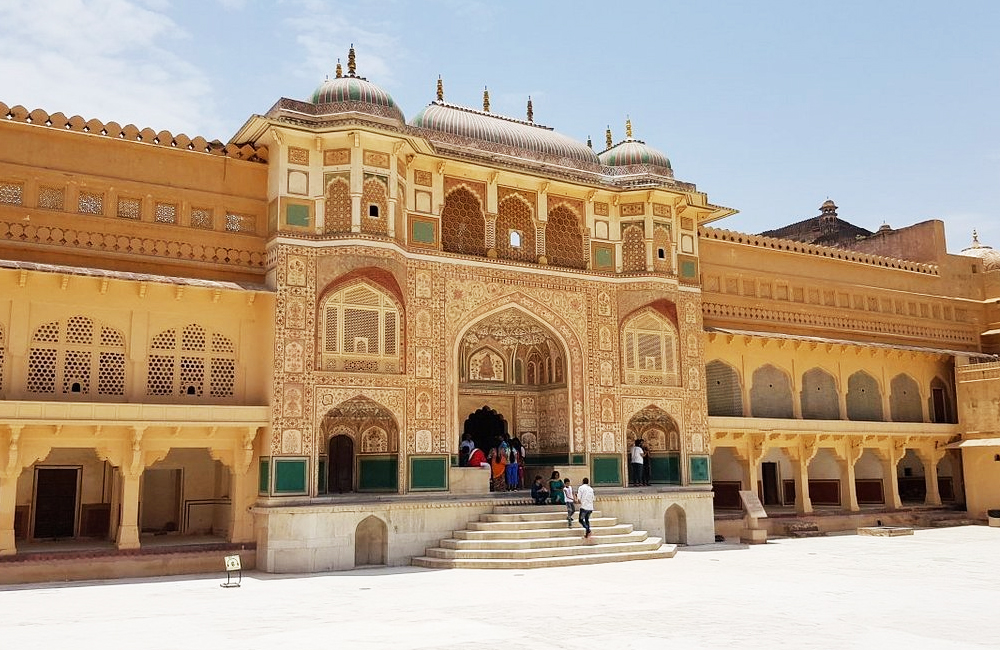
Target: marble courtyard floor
pixel 939 588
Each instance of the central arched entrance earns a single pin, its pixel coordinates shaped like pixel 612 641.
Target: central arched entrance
pixel 513 379
pixel 362 445
pixel 660 437
pixel 486 426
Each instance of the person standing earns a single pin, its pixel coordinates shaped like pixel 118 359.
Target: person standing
pixel 570 502
pixel 465 450
pixel 647 463
pixel 586 497
pixel 635 462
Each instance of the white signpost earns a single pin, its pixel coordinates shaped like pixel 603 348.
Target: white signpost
pixel 752 533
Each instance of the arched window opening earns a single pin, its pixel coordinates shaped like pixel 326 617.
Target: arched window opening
pixel 650 350
pixel 361 330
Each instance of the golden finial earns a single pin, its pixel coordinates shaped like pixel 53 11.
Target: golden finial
pixel 590 145
pixel 440 89
pixel 340 70
pixel 975 239
pixel 352 66
pixel 531 112
pixel 628 128
pixel 486 99
pixel 607 138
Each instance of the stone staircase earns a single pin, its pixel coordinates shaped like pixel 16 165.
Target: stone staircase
pixel 528 537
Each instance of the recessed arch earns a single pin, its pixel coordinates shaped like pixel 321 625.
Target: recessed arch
pixel 724 389
pixel 463 225
pixel 864 399
pixel 371 542
pixel 771 393
pixel 904 399
pixel 820 398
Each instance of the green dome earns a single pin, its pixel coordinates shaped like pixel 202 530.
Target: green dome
pixel 633 152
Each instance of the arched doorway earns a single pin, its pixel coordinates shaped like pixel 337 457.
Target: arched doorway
pixel 341 455
pixel 660 438
pixel 517 366
pixel 362 445
pixel 486 426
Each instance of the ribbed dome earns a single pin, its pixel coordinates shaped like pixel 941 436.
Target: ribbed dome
pixel 356 94
pixel 633 152
pixel 990 257
pixel 479 125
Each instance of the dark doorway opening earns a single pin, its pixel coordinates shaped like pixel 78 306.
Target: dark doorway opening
pixel 341 464
pixel 940 405
pixel 486 426
pixel 55 502
pixel 769 477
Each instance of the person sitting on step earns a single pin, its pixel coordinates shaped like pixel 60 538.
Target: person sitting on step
pixel 538 491
pixel 556 490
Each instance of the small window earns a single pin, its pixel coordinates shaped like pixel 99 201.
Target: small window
pixel 515 239
pixel 373 211
pixel 661 253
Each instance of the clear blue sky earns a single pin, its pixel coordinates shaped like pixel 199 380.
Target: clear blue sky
pixel 890 108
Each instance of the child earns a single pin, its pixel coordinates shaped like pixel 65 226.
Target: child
pixel 570 503
pixel 538 491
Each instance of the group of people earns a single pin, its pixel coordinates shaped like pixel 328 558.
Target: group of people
pixel 560 491
pixel 505 460
pixel 639 463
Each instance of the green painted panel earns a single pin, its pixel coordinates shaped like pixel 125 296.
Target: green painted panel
pixel 603 258
pixel 378 473
pixel 454 460
pixel 429 473
pixel 290 475
pixel 264 475
pixel 665 468
pixel 700 472
pixel 577 459
pixel 321 479
pixel 547 459
pixel 422 232
pixel 606 470
pixel 689 269
pixel 297 215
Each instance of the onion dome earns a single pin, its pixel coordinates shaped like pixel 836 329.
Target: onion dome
pixel 990 257
pixel 632 152
pixel 499 130
pixel 351 93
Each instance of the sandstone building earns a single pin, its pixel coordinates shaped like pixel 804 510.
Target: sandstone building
pixel 278 342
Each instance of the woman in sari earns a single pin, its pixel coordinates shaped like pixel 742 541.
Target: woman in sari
pixel 498 469
pixel 556 489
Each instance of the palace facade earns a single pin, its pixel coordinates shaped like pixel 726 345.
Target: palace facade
pixel 278 342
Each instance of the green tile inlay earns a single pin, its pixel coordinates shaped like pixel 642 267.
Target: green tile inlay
pixel 429 472
pixel 664 467
pixel 378 473
pixel 700 472
pixel 422 232
pixel 264 475
pixel 297 215
pixel 689 269
pixel 603 258
pixel 606 470
pixel 290 475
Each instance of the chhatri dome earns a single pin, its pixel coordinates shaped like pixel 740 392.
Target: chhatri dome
pixel 990 257
pixel 633 152
pixel 504 131
pixel 353 93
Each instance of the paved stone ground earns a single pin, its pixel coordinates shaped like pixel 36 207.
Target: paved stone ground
pixel 939 588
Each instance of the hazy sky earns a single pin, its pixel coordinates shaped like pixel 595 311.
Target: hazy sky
pixel 890 108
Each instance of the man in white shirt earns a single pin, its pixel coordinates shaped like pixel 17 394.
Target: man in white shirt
pixel 585 494
pixel 635 462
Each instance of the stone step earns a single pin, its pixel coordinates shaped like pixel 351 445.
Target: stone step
pixel 546 515
pixel 580 548
pixel 947 523
pixel 665 551
pixel 528 506
pixel 534 533
pixel 542 542
pixel 806 533
pixel 599 522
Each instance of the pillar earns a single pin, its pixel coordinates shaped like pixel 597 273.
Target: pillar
pixel 930 459
pixel 890 478
pixel 128 527
pixel 8 501
pixel 848 486
pixel 800 469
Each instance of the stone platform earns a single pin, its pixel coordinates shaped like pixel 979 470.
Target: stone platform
pixel 885 531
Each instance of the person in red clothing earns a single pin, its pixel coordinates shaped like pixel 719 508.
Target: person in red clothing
pixel 477 458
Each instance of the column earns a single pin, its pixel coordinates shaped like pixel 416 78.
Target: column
pixel 848 487
pixel 930 459
pixel 9 473
pixel 357 182
pixel 241 492
pixel 890 477
pixel 128 527
pixel 800 469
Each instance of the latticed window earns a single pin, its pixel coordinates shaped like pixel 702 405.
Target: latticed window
pixel 51 198
pixel 129 208
pixel 201 218
pixel 463 229
pixel 190 362
pixel 76 357
pixel 236 222
pixel 11 193
pixel 166 213
pixel 90 203
pixel 361 331
pixel 650 350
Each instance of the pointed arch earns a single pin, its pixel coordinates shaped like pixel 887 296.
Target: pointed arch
pixel 649 349
pixel 371 542
pixel 771 393
pixel 375 205
pixel 633 247
pixel 78 356
pixel 361 328
pixel 820 398
pixel 463 224
pixel 724 389
pixel 515 215
pixel 564 237
pixel 338 205
pixel 864 398
pixel 904 399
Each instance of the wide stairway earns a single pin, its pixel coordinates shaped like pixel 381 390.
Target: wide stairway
pixel 528 537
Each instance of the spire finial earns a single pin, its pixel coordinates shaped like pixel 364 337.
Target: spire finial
pixel 607 138
pixel 975 239
pixel 352 65
pixel 486 99
pixel 340 70
pixel 440 90
pixel 628 128
pixel 590 145
pixel 531 111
